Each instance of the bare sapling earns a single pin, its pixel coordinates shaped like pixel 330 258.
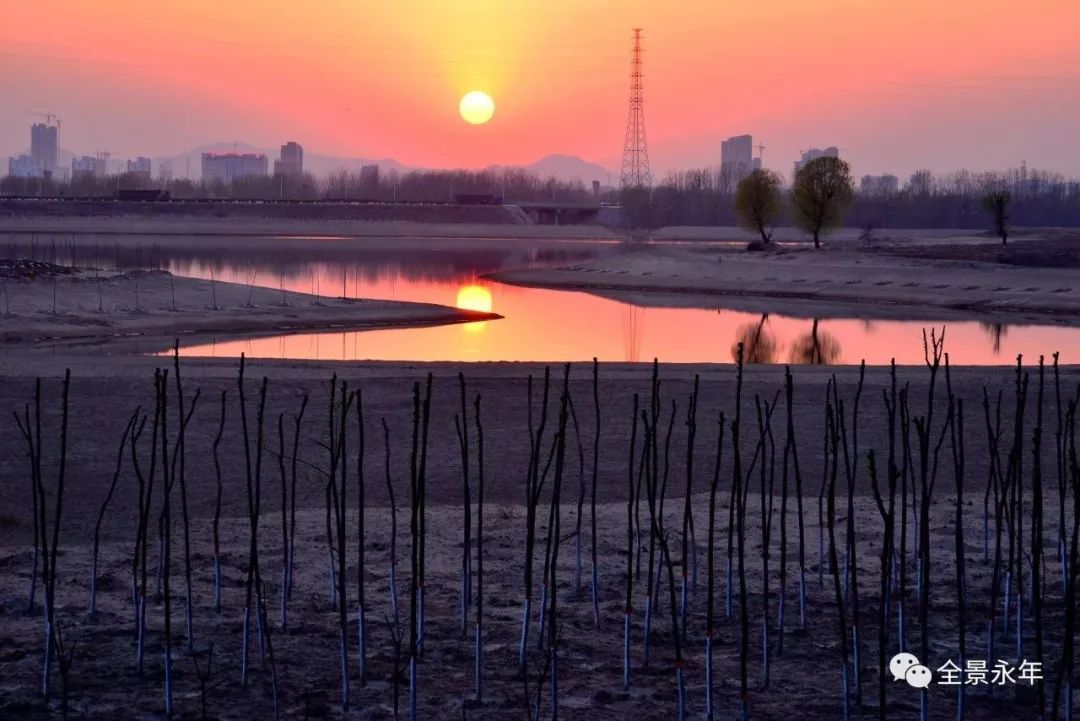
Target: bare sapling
pixel 1037 538
pixel 688 517
pixel 466 507
pixel 628 608
pixel 933 352
pixel 183 417
pixel 1063 685
pixel 479 653
pixel 580 499
pixel 592 495
pixel 218 496
pixel 393 526
pixel 710 564
pixel 92 606
pixel 165 524
pixel 422 484
pixel 555 532
pixel 143 533
pixel 65 657
pixel 956 437
pixel 294 460
pixel 767 485
pixel 834 564
pixel 204 674
pixel 361 550
pixel 739 510
pixel 532 499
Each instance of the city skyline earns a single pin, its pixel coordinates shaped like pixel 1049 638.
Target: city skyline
pixel 893 92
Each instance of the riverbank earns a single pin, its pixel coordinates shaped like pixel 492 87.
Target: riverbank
pixel 41 301
pixel 840 281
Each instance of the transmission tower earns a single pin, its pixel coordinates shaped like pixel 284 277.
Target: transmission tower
pixel 635 159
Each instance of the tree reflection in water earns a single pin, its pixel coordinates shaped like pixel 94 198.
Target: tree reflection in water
pixel 759 346
pixel 996 331
pixel 818 348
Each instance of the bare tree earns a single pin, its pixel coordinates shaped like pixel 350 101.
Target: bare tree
pixel 997 204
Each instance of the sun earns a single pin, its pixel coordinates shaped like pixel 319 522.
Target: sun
pixel 477 107
pixel 474 297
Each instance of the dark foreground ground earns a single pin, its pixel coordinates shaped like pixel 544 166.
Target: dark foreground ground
pixel 804 676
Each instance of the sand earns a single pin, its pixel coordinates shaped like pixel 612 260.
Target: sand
pixel 838 281
pixel 54 302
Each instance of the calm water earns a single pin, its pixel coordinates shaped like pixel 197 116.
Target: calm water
pixel 538 325
pixel 547 325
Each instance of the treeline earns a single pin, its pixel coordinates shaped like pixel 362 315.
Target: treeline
pixel 954 200
pixel 420 186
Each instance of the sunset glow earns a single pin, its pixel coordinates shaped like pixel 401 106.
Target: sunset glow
pixel 474 297
pixel 896 86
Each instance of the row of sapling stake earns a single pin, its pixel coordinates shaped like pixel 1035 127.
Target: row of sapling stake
pixel 913 457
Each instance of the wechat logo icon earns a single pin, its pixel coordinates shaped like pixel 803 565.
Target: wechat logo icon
pixel 906 667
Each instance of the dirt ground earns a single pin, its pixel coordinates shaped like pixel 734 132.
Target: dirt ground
pixel 805 679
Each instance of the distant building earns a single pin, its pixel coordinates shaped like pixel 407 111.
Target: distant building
pixel 292 160
pixel 165 171
pixel 24 166
pixel 813 154
pixel 228 167
pixel 879 185
pixel 43 147
pixel 140 169
pixel 737 157
pixel 369 177
pixel 88 167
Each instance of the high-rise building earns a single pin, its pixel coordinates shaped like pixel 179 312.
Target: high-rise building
pixel 813 154
pixel 43 146
pixel 292 160
pixel 227 167
pixel 88 166
pixel 24 166
pixel 165 171
pixel 737 157
pixel 140 169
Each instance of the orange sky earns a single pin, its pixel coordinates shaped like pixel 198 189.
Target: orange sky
pixel 897 85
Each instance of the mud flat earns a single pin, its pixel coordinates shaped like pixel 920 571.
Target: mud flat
pixel 841 282
pixel 45 302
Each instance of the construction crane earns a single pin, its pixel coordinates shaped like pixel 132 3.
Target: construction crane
pixel 760 153
pixel 49 118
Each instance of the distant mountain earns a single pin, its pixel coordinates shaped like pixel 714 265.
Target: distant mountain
pixel 569 167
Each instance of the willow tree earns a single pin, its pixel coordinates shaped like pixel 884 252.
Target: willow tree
pixel 758 203
pixel 822 191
